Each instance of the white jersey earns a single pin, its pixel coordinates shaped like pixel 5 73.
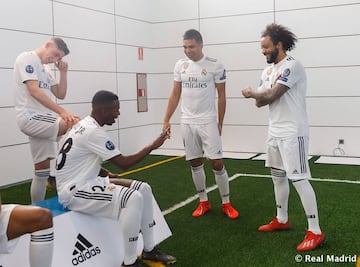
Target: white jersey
pixel 288 115
pixel 83 150
pixel 198 91
pixel 28 67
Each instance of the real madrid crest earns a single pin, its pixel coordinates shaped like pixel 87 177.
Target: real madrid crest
pixel 185 65
pixel 203 72
pixel 269 71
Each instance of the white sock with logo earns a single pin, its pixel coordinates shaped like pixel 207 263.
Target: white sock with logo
pixel 199 178
pixel 222 181
pixel 308 200
pixel 147 222
pixel 38 185
pixel 130 220
pixel 41 248
pixel 281 191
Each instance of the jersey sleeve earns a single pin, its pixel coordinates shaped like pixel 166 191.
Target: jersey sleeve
pixel 291 74
pixel 177 71
pixel 220 73
pixel 101 144
pixel 26 67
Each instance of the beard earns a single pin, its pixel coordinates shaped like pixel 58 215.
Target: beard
pixel 273 56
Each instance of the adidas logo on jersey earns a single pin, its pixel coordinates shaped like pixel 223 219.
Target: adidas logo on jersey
pixel 84 250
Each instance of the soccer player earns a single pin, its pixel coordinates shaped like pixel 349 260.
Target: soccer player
pixel 37 114
pixel 86 187
pixel 283 88
pixel 197 79
pixel 17 220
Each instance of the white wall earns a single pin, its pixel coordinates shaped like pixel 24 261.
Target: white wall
pixel 104 36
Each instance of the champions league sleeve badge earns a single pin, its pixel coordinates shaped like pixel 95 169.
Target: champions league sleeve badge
pixel 109 145
pixel 29 69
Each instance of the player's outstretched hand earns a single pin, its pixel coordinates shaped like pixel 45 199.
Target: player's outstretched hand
pixel 161 138
pixel 246 92
pixel 167 127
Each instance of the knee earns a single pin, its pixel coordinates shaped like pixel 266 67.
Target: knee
pixel 43 218
pixel 145 189
pixel 135 200
pixel 217 164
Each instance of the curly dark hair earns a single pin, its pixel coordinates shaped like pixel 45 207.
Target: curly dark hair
pixel 279 33
pixel 104 97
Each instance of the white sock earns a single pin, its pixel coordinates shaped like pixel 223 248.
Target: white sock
pixel 130 220
pixel 222 181
pixel 199 178
pixel 52 167
pixel 38 185
pixel 41 248
pixel 308 200
pixel 147 222
pixel 281 191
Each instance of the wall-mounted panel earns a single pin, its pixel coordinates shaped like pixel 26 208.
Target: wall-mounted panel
pixel 160 85
pixel 167 56
pixel 243 111
pixel 327 144
pixel 6 85
pixel 327 21
pixel 128 62
pixel 129 117
pixel 10 134
pixel 234 29
pixel 246 56
pixel 238 80
pixel 134 139
pixel 11 172
pixel 136 9
pixel 174 10
pixel 30 16
pixel 170 34
pixel 85 23
pixel 14 43
pixel 133 32
pixel 298 4
pixel 83 85
pixel 103 5
pixel 126 86
pixel 90 56
pixel 336 111
pixel 215 8
pixel 333 81
pixel 239 138
pixel 321 52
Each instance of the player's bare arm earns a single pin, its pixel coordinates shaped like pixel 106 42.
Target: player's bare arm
pixel 172 105
pixel 40 96
pixel 59 90
pixel 267 96
pixel 125 162
pixel 221 104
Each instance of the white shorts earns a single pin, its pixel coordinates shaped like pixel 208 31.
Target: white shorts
pixel 42 129
pixel 290 155
pixel 201 140
pixel 6 246
pixel 98 197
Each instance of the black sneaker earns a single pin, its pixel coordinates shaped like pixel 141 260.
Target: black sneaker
pixel 137 263
pixel 51 183
pixel 157 255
